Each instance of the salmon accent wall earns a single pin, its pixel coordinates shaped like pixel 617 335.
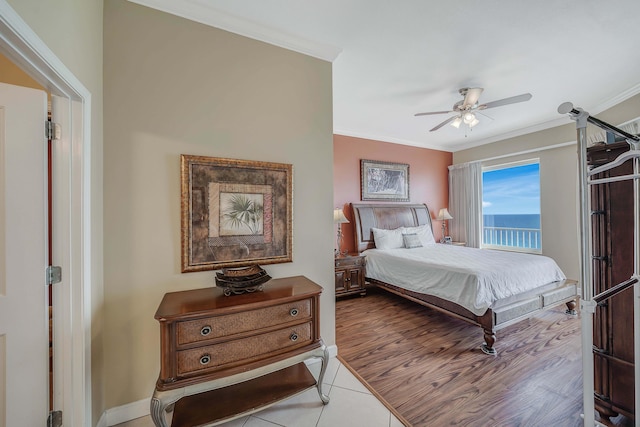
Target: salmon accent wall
pixel 428 176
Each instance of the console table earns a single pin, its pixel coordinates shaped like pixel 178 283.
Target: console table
pixel 223 357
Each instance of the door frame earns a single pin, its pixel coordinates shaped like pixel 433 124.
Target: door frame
pixel 72 227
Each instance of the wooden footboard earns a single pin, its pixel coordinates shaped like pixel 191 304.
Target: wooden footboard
pixel 505 313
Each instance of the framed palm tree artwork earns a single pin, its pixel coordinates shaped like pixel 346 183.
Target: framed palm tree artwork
pixel 234 213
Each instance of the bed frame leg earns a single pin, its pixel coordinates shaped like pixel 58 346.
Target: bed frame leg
pixel 489 341
pixel 571 308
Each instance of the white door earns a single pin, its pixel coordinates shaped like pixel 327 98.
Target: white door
pixel 23 257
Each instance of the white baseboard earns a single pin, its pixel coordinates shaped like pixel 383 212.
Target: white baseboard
pixel 333 352
pixel 102 422
pixel 141 408
pixel 128 412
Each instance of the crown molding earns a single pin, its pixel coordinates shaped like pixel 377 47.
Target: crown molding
pixel 560 121
pixel 203 13
pixel 372 137
pixel 612 102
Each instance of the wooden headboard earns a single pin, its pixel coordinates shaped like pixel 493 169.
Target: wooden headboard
pixel 388 216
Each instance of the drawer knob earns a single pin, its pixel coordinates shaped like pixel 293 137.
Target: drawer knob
pixel 206 330
pixel 293 312
pixel 205 359
pixel 294 337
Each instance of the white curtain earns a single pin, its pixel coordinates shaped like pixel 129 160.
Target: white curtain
pixel 465 203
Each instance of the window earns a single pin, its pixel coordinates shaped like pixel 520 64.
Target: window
pixel 511 207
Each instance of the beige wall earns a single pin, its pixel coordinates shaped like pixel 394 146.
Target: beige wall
pixel 558 178
pixel 72 29
pixel 175 87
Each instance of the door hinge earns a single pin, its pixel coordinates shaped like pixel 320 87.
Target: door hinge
pixel 52 130
pixel 54 419
pixel 54 274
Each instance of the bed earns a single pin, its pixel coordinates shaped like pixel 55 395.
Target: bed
pixel 509 299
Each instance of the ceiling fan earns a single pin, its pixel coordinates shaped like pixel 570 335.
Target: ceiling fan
pixel 466 109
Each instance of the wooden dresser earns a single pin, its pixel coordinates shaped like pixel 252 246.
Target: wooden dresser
pixel 222 357
pixel 350 273
pixel 612 225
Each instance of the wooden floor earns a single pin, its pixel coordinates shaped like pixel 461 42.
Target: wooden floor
pixel 430 369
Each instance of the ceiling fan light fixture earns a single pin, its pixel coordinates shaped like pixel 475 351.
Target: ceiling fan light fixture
pixel 465 110
pixel 469 118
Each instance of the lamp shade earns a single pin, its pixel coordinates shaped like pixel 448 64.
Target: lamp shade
pixel 338 216
pixel 444 215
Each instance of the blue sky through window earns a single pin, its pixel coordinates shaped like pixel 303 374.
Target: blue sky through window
pixel 512 190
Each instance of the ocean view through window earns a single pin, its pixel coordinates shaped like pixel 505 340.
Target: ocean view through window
pixel 511 207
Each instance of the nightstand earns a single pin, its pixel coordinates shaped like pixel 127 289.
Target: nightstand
pixel 350 272
pixel 454 243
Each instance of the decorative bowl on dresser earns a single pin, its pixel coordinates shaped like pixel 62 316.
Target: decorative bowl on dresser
pixel 350 273
pixel 222 357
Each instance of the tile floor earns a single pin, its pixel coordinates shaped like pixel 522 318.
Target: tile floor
pixel 351 405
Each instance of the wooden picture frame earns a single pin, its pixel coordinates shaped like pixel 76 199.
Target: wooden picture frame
pixel 234 213
pixel 386 181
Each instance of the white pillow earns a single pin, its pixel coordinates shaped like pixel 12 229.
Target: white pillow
pixel 388 239
pixel 424 234
pixel 411 241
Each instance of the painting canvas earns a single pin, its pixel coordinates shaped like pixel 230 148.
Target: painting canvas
pixel 234 213
pixel 384 181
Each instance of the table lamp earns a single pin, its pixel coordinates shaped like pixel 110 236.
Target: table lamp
pixel 339 218
pixel 443 216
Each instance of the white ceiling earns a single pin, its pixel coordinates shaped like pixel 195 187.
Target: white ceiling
pixel 392 59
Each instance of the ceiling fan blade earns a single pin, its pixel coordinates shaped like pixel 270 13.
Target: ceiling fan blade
pixel 472 96
pixel 483 114
pixel 432 112
pixel 506 101
pixel 449 120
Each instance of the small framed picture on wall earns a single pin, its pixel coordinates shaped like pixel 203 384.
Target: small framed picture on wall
pixel 384 181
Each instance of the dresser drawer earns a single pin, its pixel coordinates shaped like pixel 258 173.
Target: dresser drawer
pixel 349 262
pixel 217 356
pixel 230 324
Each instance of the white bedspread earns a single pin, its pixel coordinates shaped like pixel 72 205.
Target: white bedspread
pixel 473 278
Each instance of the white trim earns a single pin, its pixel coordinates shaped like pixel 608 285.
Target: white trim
pixel 612 102
pixel 457 147
pixel 521 153
pixel 204 13
pixel 102 422
pixel 512 164
pixel 392 140
pixel 519 132
pixel 333 352
pixel 131 411
pixel 21 44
